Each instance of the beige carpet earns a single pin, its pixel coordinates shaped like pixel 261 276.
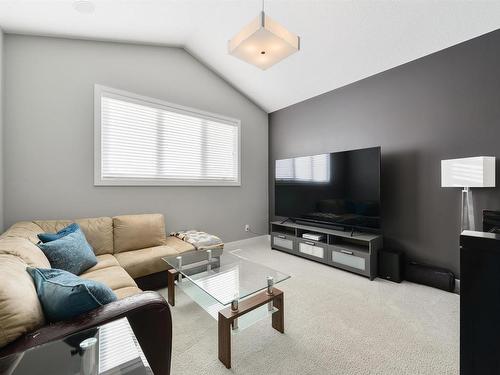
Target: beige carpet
pixel 335 323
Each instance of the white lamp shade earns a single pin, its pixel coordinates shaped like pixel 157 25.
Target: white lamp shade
pixel 263 42
pixel 468 172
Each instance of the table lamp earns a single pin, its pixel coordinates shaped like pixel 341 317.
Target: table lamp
pixel 468 173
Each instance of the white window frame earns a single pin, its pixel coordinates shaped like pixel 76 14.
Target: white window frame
pixel 99 90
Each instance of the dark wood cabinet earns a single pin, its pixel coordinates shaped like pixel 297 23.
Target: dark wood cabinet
pixel 479 303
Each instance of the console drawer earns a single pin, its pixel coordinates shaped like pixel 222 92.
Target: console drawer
pixel 350 259
pixel 283 242
pixel 312 248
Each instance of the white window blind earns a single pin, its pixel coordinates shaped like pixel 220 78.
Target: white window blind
pixel 314 168
pixel 144 141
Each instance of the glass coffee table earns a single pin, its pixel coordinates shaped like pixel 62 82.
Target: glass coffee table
pixel 232 289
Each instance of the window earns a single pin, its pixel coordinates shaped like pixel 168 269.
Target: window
pixel 145 141
pixel 314 168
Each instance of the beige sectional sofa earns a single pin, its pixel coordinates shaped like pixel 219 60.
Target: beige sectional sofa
pixel 129 249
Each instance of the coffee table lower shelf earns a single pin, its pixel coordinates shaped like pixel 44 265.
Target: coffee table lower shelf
pixel 228 317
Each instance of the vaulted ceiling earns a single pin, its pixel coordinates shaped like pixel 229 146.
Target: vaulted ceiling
pixel 342 41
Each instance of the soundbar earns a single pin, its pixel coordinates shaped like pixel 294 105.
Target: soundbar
pixel 321 225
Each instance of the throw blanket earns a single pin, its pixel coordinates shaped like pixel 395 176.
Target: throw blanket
pixel 200 240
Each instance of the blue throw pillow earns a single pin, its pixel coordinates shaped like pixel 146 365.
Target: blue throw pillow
pixel 64 295
pixel 47 237
pixel 71 253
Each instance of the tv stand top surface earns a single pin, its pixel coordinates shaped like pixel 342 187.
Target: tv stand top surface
pixel 347 234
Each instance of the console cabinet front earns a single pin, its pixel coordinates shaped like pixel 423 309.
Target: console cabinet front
pixel 283 242
pixel 356 253
pixel 351 259
pixel 312 249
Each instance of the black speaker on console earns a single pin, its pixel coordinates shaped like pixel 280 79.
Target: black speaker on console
pixel 390 265
pixel 491 221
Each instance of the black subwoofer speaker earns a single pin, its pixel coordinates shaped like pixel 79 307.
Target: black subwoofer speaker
pixel 432 276
pixel 390 265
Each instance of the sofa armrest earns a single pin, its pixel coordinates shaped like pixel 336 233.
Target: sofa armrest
pixel 148 314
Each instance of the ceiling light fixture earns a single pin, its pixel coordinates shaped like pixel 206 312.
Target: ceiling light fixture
pixel 263 42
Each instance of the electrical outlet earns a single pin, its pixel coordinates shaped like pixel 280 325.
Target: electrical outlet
pixel 247 227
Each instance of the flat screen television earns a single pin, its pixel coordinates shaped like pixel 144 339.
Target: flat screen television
pixel 340 189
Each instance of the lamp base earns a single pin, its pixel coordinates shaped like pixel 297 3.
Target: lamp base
pixel 467 221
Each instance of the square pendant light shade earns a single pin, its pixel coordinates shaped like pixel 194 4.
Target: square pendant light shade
pixel 468 172
pixel 263 42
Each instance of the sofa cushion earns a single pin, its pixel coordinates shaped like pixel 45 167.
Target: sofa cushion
pixel 20 309
pixel 98 231
pixel 64 295
pixel 104 261
pixel 133 232
pixel 49 236
pixel 127 291
pixel 52 225
pixel 144 262
pixel 178 244
pixel 115 277
pixel 25 250
pixel 71 253
pixel 24 229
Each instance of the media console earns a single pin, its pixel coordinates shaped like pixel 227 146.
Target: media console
pixel 356 253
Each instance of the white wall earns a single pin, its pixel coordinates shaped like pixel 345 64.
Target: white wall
pixel 49 134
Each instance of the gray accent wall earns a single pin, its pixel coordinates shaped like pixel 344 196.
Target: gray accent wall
pixel 49 135
pixel 445 105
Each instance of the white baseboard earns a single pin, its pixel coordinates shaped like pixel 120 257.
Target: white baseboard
pixel 247 242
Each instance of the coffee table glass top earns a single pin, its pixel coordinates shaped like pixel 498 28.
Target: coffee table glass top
pixel 223 275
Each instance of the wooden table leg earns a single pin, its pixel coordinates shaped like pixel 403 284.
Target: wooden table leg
pixel 278 319
pixel 228 316
pixel 225 340
pixel 171 276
